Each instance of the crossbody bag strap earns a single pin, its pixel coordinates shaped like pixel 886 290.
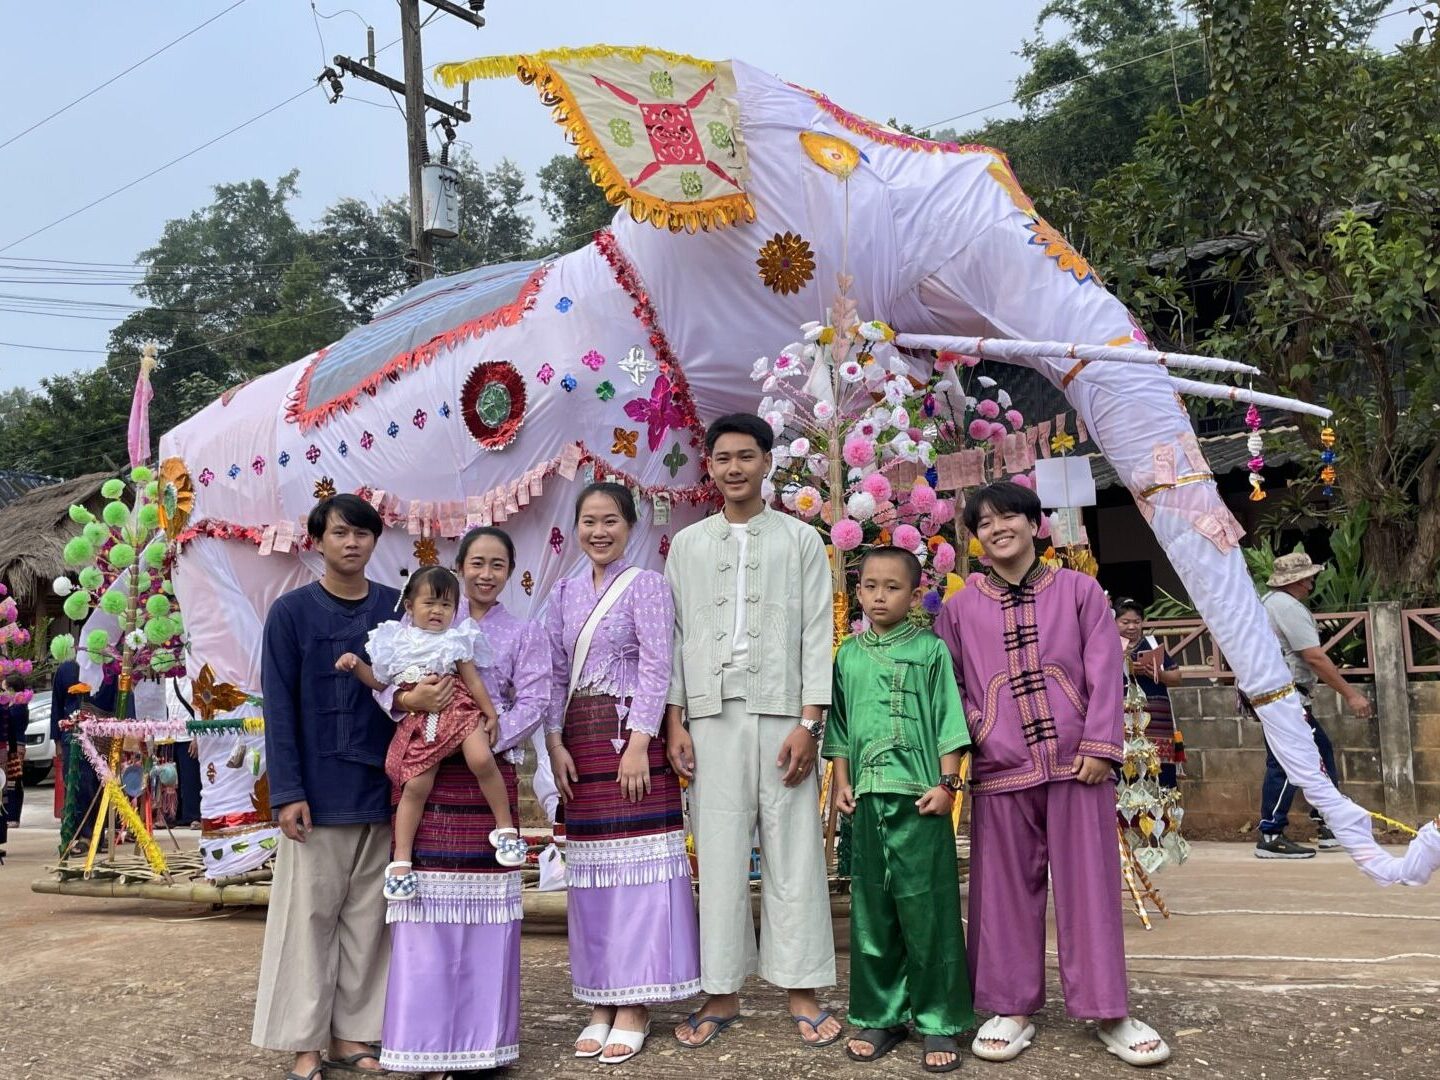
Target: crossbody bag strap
pixel 602 607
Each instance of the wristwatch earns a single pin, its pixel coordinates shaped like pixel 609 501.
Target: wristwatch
pixel 816 728
pixel 951 782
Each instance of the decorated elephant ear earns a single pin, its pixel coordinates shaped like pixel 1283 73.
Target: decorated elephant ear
pixel 658 130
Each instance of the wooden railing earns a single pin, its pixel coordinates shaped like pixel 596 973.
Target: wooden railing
pixel 1422 641
pixel 1345 636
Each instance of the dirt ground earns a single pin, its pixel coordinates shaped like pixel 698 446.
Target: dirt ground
pixel 1270 971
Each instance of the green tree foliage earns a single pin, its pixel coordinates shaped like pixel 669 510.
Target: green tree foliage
pixel 1316 164
pixel 239 288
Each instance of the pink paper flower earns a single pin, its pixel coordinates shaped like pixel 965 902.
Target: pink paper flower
pixel 944 512
pixel 970 361
pixel 885 514
pixel 922 498
pixel 1016 420
pixel 979 430
pixel 1023 479
pixel 997 432
pixel 1043 533
pixel 808 502
pixel 988 409
pixel 859 451
pixel 878 485
pixel 907 537
pixel 800 447
pixel 944 559
pixel 846 534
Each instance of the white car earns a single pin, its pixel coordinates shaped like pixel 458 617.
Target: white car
pixel 39 747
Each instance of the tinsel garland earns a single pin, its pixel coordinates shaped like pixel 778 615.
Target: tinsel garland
pixel 628 279
pixel 131 820
pixel 250 725
pixel 106 728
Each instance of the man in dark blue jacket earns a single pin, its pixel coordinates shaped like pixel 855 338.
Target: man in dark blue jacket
pixel 326 954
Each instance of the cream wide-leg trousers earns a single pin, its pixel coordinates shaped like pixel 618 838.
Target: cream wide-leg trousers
pixel 327 953
pixel 737 787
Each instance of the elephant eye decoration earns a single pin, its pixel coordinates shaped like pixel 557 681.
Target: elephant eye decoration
pixel 492 403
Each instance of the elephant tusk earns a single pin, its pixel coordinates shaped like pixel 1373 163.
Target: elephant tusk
pixel 1221 392
pixel 1008 349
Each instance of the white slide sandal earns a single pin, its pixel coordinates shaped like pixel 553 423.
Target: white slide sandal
pixel 1002 1029
pixel 1124 1037
pixel 631 1040
pixel 594 1033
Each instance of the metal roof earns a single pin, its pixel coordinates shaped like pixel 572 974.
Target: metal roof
pixel 14 483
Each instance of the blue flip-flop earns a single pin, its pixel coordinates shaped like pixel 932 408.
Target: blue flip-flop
pixel 815 1023
pixel 720 1022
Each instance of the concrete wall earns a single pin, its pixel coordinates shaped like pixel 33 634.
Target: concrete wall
pixel 1225 756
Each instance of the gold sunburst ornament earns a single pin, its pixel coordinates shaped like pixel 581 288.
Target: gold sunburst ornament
pixel 786 263
pixel 210 697
pixel 176 497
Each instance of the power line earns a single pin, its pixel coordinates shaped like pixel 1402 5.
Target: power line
pixel 121 75
pixel 173 161
pixel 50 348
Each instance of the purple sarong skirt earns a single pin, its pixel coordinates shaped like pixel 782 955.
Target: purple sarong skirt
pixel 453 998
pixel 630 907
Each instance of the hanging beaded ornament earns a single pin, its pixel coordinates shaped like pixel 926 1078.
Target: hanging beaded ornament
pixel 1327 460
pixel 1255 447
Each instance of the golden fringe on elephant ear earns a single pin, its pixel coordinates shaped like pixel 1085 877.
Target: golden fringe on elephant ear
pixel 535 68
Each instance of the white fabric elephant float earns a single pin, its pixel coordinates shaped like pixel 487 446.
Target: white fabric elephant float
pixel 488 396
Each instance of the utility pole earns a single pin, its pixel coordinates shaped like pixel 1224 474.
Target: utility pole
pixel 416 102
pixel 415 132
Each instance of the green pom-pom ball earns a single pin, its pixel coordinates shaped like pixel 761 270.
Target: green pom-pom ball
pixel 158 605
pixel 80 515
pixel 178 623
pixel 122 556
pixel 113 602
pixel 143 581
pixel 158 631
pixel 115 514
pixel 162 660
pixel 76 605
pixel 97 641
pixel 78 550
pixel 152 490
pixel 149 516
pixel 167 588
pixel 112 488
pixel 141 474
pixel 62 647
pixel 155 554
pixel 91 578
pixel 96 533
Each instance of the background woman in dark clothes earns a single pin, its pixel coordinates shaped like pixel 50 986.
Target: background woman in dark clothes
pixel 1155 672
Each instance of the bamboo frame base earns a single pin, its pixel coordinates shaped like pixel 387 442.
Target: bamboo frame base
pixel 1137 884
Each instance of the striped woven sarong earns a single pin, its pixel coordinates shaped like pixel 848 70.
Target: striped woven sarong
pixel 610 840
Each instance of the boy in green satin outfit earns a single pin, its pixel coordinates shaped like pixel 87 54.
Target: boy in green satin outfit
pixel 895 733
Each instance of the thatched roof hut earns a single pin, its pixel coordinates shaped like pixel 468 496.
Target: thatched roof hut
pixel 33 532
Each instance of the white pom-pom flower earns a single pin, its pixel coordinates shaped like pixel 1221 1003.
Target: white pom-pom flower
pixel 861 506
pixel 62 586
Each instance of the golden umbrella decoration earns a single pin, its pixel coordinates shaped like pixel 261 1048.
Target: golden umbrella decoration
pixel 176 496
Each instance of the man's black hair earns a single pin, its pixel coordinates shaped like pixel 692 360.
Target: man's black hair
pixel 1002 497
pixel 624 501
pixel 889 551
pixel 485 530
pixel 441 582
pixel 740 424
pixel 351 509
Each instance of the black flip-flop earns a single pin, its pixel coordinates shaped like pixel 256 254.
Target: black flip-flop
pixel 940 1044
pixel 351 1063
pixel 815 1023
pixel 881 1041
pixel 720 1022
pixel 318 1070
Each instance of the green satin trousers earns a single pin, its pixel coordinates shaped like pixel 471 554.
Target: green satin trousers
pixel 907 951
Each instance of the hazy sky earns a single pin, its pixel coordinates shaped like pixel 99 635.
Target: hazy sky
pixel 919 60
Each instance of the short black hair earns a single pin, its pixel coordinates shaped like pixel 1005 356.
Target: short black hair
pixel 1124 604
pixel 1002 497
pixel 485 530
pixel 619 492
pixel 889 551
pixel 15 681
pixel 443 584
pixel 740 424
pixel 351 509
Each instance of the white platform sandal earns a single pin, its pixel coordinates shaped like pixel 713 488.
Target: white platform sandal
pixel 633 1041
pixel 596 1033
pixel 1124 1037
pixel 510 847
pixel 1002 1029
pixel 399 887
